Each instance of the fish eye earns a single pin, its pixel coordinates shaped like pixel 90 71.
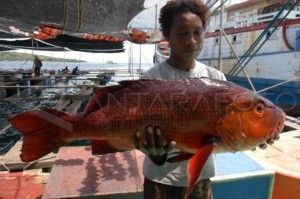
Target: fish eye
pixel 260 107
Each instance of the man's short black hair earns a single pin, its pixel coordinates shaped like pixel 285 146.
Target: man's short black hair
pixel 173 7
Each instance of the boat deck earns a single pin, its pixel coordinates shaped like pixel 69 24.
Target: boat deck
pixel 284 158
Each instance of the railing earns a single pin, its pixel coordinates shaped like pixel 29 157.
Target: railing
pixel 251 18
pixel 259 42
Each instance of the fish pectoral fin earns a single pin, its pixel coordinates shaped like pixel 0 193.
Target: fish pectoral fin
pixel 100 147
pixel 181 157
pixel 196 164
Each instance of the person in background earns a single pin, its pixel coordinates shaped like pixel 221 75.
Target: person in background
pixel 75 71
pixel 183 24
pixel 65 70
pixel 37 64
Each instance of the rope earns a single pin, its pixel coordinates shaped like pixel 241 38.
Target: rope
pixel 4 166
pixel 79 15
pixel 66 13
pixel 5 128
pixel 278 84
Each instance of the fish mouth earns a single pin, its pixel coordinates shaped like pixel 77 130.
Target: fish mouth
pixel 277 130
pixel 274 134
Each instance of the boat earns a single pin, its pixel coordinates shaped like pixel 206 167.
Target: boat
pixel 259 41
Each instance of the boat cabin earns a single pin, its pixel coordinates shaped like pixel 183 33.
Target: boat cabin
pixel 251 12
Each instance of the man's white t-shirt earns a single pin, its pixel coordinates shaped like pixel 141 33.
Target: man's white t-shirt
pixel 175 173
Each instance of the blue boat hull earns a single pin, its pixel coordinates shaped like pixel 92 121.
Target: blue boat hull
pixel 286 96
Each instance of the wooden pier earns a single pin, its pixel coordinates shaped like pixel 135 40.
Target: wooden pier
pixel 12 162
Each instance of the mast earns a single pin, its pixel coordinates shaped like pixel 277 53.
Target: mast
pixel 140 65
pixel 221 36
pixel 155 45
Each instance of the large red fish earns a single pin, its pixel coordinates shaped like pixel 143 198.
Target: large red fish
pixel 189 112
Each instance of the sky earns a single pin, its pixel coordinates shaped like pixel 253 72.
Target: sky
pixel 147 50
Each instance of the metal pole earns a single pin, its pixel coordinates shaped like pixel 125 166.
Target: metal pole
pixel 155 45
pixel 221 37
pixel 140 66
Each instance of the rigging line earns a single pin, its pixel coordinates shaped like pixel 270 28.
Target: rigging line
pixel 238 65
pixel 244 57
pixel 5 128
pixel 237 57
pixel 79 15
pixel 66 13
pixel 150 65
pixel 261 45
pixel 279 84
pixel 217 8
pixel 4 166
pixel 25 61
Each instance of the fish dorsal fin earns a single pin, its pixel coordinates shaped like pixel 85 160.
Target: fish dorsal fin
pixel 137 84
pixel 196 164
pixel 99 97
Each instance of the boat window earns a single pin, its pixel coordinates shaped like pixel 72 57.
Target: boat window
pixel 260 11
pixel 297 7
pixel 234 38
pixel 269 9
pixel 237 38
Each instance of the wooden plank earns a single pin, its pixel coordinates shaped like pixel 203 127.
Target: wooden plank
pixel 79 174
pixel 292 123
pixel 75 97
pixel 95 78
pixel 281 156
pixel 13 162
pixel 71 104
pixel 8 84
pixel 284 158
pixel 21 186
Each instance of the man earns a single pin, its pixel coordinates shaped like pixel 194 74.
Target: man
pixel 37 64
pixel 183 23
pixel 65 70
pixel 75 71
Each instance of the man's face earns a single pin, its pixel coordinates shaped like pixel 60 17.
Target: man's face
pixel 186 36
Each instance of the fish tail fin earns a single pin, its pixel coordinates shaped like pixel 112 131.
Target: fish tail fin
pixel 44 131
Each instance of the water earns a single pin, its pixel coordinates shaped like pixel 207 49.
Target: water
pixel 26 65
pixel 11 136
pixel 45 98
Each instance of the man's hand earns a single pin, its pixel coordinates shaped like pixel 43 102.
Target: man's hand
pixel 154 147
